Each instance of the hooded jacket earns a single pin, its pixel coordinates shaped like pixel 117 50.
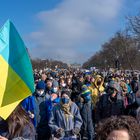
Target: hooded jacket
pixel 96 90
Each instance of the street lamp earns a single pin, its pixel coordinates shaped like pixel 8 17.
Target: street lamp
pixel 117 63
pixel 105 61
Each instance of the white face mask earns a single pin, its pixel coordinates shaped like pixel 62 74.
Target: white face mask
pixel 63 85
pixel 55 90
pixel 40 92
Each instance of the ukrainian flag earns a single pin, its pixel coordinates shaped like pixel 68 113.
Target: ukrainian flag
pixel 16 77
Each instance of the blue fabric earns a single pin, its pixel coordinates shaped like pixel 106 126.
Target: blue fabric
pixel 29 105
pixel 41 85
pixel 87 98
pixel 65 100
pixel 50 105
pixel 129 88
pixel 88 84
pixel 88 73
pixel 86 94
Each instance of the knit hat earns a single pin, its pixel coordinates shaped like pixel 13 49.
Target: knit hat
pixel 41 85
pixel 84 88
pixel 85 91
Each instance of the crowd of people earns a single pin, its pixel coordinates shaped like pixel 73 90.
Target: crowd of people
pixel 73 104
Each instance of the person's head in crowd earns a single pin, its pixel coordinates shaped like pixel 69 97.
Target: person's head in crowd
pixel 99 81
pixel 65 97
pixel 53 74
pixel 86 94
pixel 113 89
pixel 118 128
pixel 81 79
pixel 110 77
pixel 69 81
pixel 71 75
pixel 49 84
pixel 18 122
pixel 135 77
pixel 127 81
pixel 43 77
pixel 62 82
pixel 117 79
pixel 124 88
pixel 40 87
pixel 55 87
pixel 92 79
pixel 87 78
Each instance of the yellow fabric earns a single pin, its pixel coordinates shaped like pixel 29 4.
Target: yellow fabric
pixel 94 88
pixel 12 89
pixel 124 86
pixel 7 110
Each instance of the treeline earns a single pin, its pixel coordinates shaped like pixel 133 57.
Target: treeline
pixel 121 51
pixel 46 63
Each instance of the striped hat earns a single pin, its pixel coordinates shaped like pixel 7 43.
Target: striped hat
pixel 85 91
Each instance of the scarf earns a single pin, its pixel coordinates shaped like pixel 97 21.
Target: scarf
pixel 66 109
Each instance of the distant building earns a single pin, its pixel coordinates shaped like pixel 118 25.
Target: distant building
pixel 75 66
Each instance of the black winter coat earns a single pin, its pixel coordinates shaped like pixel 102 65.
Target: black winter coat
pixel 106 107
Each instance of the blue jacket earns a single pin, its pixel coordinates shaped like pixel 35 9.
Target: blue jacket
pixel 50 104
pixel 29 105
pixel 32 104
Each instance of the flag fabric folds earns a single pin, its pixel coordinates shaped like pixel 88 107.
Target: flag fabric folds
pixel 16 76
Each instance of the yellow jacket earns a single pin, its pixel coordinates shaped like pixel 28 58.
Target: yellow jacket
pixel 96 90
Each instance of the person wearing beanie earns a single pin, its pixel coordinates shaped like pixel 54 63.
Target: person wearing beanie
pixel 40 87
pixel 86 110
pixel 65 121
pixel 36 106
pixel 87 81
pixel 110 103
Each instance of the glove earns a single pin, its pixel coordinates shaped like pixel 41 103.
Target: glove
pixel 31 115
pixel 76 131
pixel 59 133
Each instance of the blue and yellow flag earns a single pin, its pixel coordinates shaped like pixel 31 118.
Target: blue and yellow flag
pixel 16 77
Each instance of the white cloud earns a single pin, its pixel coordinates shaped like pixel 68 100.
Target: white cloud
pixel 73 24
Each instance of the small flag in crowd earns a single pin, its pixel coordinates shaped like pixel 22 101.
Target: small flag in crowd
pixel 16 77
